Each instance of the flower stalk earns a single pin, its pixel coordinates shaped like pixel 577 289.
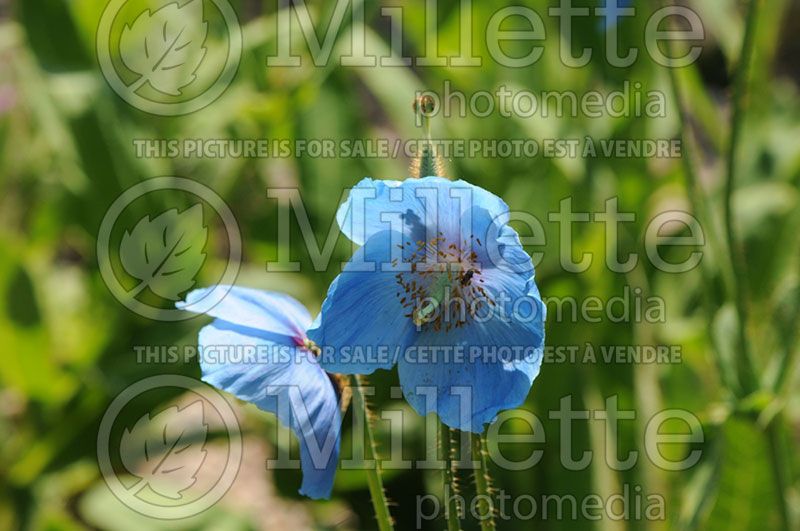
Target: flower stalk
pixel 737 277
pixel 380 502
pixel 747 373
pixel 703 210
pixel 450 488
pixel 427 163
pixel 746 366
pixel 483 483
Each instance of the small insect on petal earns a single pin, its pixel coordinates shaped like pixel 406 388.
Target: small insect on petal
pixel 467 277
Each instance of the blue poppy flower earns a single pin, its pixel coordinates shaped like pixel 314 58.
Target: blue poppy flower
pixel 257 349
pixel 441 287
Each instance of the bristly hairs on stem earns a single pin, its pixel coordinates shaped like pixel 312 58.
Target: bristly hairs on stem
pixel 453 513
pixel 427 163
pixel 483 483
pixel 454 443
pixel 380 501
pixel 341 384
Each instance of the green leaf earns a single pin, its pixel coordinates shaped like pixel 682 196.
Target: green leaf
pixel 724 333
pixel 701 491
pixel 746 500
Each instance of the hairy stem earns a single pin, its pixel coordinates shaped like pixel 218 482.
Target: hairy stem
pixel 449 483
pixel 483 483
pixel 374 479
pixel 427 163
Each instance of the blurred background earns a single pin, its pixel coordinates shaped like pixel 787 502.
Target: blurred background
pixel 69 346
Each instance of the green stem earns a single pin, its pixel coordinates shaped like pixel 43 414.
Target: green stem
pixel 702 209
pixel 696 194
pixel 786 366
pixel 449 480
pixel 427 162
pixel 780 469
pixel 746 368
pixel 483 484
pixel 374 480
pixel 780 466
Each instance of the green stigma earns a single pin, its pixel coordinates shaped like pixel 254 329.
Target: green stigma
pixel 426 310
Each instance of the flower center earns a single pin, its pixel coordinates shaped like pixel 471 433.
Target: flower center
pixel 444 288
pixel 305 343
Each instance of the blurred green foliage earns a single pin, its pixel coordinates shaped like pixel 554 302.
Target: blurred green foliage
pixel 67 154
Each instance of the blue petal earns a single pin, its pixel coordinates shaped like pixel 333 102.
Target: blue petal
pixel 508 277
pixel 280 379
pixel 470 391
pixel 362 324
pixel 262 310
pixel 495 242
pixel 250 351
pixel 413 206
pixel 502 350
